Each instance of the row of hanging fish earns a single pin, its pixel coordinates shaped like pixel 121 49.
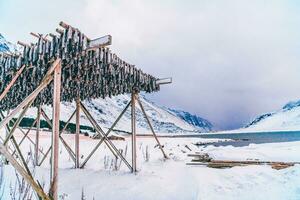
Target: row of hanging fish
pixel 86 73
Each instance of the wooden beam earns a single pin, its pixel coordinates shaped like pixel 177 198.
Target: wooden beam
pixel 99 42
pixel 68 148
pixel 6 90
pixel 77 133
pixel 163 81
pixel 17 122
pixel 102 138
pixel 30 140
pixel 23 44
pixel 151 127
pixel 65 26
pixel 37 136
pixel 55 133
pixel 37 35
pixel 133 132
pixel 45 156
pixel 109 144
pixel 68 122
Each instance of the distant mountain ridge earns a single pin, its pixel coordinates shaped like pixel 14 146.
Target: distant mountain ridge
pixel 193 119
pixel 287 118
pixel 105 111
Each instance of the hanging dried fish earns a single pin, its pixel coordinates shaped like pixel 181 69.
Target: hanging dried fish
pixel 86 74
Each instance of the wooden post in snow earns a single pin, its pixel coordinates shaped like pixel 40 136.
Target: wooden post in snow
pixel 37 136
pixel 55 133
pixel 77 133
pixel 133 130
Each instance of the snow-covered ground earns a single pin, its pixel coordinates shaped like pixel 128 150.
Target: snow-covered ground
pixel 172 179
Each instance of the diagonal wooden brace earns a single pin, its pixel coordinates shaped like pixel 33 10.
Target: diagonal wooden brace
pixel 23 173
pixel 151 127
pixel 104 137
pixel 6 90
pixel 68 148
pixel 16 124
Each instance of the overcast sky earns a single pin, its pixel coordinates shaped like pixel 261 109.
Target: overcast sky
pixel 230 60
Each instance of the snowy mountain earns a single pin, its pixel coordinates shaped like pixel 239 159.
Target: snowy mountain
pixel 287 118
pixel 105 111
pixel 6 46
pixel 193 119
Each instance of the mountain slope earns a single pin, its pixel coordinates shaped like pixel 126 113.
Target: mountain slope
pixel 193 119
pixel 6 46
pixel 287 118
pixel 105 111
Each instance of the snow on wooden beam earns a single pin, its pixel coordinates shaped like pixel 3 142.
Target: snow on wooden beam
pixel 164 81
pixel 100 42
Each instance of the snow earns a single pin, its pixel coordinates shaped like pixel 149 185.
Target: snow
pixel 173 179
pixel 6 46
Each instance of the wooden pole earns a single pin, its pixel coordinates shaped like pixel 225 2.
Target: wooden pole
pixel 77 132
pixel 37 136
pixel 151 127
pixel 133 131
pixel 55 133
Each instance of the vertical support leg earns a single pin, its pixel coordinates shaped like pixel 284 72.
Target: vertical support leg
pixel 55 133
pixel 77 133
pixel 37 136
pixel 133 131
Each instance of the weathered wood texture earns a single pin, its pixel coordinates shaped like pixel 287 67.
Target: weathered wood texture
pixel 55 133
pixel 204 159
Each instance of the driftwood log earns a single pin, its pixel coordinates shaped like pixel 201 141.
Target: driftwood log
pixel 204 159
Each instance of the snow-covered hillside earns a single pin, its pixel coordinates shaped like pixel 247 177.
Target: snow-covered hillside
pixel 105 111
pixel 6 46
pixel 193 119
pixel 287 118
